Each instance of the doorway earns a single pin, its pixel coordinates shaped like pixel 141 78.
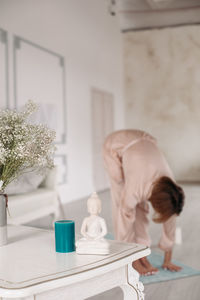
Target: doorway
pixel 102 125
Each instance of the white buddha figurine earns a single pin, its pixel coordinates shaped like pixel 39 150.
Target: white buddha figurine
pixel 93 230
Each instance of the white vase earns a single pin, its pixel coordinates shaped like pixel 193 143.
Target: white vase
pixel 3 220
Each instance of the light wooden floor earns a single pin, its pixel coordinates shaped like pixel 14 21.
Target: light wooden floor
pixel 188 253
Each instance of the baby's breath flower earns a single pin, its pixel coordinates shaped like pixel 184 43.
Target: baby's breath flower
pixel 23 146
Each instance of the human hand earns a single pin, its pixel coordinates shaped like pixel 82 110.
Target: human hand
pixel 171 267
pixel 168 265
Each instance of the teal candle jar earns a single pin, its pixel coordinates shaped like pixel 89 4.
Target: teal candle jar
pixel 65 236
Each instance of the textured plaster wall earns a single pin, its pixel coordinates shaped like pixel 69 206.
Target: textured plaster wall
pixel 162 93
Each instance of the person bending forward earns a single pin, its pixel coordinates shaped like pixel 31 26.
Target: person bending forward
pixel 139 174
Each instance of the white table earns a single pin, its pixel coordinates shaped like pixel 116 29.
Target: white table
pixel 30 269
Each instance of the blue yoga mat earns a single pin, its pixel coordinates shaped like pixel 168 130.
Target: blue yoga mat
pixel 163 275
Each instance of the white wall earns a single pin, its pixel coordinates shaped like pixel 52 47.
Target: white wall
pixel 89 39
pixel 162 87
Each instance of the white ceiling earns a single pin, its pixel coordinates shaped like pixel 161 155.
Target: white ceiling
pixel 148 14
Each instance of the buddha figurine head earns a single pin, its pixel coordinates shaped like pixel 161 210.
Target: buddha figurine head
pixel 94 204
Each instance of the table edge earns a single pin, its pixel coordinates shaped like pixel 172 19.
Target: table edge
pixel 47 285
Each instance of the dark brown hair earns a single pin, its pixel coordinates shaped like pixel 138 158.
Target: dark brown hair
pixel 167 199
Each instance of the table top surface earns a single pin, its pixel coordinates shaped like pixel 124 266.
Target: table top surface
pixel 30 258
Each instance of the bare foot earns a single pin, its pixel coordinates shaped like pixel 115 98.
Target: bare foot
pixel 139 267
pixel 148 266
pixel 142 270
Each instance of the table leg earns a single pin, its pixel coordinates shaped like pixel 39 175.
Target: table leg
pixel 133 285
pixel 129 291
